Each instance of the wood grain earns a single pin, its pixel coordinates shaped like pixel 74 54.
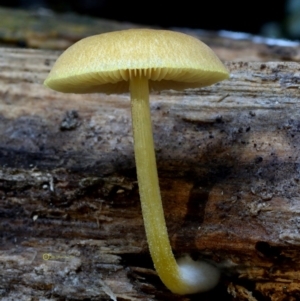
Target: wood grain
pixel 228 161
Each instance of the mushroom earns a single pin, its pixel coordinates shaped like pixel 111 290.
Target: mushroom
pixel 138 60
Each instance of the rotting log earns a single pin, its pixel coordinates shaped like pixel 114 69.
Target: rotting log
pixel 228 162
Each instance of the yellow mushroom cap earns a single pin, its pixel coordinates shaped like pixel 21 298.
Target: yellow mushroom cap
pixel 106 62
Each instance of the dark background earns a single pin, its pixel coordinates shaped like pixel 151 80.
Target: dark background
pixel 275 18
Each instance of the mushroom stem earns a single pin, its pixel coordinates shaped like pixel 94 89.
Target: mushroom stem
pixel 153 214
pixel 189 276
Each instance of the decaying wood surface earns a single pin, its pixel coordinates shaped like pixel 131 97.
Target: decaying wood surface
pixel 228 160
